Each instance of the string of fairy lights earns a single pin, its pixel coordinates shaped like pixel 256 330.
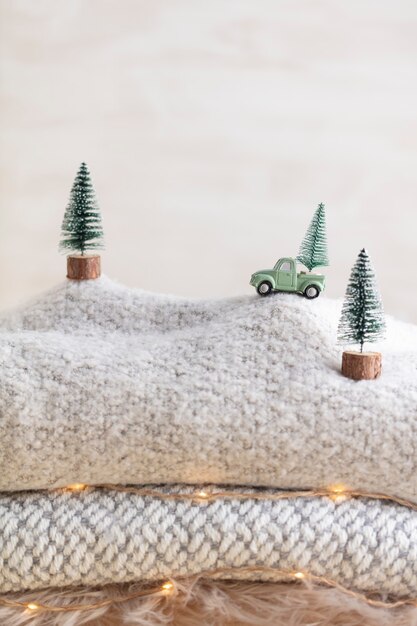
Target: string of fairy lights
pixel 337 493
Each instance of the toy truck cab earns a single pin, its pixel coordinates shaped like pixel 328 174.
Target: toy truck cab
pixel 284 277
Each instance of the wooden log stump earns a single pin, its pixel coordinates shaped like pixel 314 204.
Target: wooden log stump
pixel 361 365
pixel 83 266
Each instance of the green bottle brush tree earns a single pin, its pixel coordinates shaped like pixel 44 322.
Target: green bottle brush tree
pixel 313 249
pixel 362 320
pixel 82 230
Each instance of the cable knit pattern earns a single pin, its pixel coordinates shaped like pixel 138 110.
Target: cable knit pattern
pixel 102 383
pixel 96 537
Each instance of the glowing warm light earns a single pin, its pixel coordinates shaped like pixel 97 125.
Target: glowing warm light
pixel 77 487
pixel 299 575
pixel 167 587
pixel 337 493
pixel 337 488
pixel 203 495
pixel 32 606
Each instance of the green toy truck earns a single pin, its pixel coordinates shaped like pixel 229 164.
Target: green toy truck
pixel 284 277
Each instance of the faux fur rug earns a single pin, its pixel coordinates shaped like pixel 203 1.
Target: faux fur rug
pixel 102 383
pixel 210 603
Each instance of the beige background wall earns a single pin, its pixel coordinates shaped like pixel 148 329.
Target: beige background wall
pixel 212 130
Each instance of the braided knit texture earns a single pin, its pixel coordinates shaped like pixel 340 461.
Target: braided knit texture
pixel 103 383
pixel 95 537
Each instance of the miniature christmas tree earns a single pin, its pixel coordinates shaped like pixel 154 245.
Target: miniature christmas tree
pixel 81 228
pixel 362 320
pixel 313 249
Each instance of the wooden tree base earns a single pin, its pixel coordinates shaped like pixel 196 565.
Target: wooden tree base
pixel 361 365
pixel 83 266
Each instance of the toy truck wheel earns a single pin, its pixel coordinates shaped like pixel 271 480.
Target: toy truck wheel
pixel 311 292
pixel 264 288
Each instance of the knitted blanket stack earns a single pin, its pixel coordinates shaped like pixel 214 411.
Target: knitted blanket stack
pixel 105 384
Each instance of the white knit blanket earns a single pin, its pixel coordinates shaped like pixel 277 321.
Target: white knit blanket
pixel 96 537
pixel 102 383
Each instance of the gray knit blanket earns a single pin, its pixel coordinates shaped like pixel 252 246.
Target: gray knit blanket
pixel 96 537
pixel 102 383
